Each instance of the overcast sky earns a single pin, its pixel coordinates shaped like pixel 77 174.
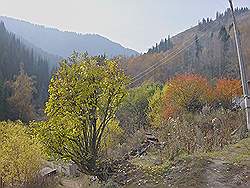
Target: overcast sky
pixel 136 24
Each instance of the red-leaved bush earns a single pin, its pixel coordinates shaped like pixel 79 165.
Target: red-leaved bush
pixel 186 92
pixel 226 90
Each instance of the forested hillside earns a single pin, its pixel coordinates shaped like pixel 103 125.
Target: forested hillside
pixel 64 43
pixel 163 46
pixel 24 77
pixel 53 60
pixel 207 49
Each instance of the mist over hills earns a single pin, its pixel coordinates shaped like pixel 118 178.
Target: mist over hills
pixel 63 43
pixel 53 60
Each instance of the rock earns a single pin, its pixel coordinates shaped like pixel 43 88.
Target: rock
pixel 47 171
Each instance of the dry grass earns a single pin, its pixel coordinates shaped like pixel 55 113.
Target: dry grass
pixel 238 153
pixel 200 133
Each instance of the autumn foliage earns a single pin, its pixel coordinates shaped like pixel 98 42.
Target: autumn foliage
pixel 226 90
pixel 21 156
pixel 190 93
pixel 186 92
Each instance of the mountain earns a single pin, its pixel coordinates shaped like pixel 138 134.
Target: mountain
pixel 207 49
pixel 63 43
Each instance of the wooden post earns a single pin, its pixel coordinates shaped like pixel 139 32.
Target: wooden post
pixel 248 83
pixel 242 68
pixel 248 103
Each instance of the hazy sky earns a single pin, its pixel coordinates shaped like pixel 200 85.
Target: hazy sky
pixel 136 24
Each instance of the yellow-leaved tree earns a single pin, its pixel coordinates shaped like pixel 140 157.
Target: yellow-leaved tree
pixel 21 156
pixel 84 96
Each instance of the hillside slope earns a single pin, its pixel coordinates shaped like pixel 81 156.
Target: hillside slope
pixel 14 56
pixel 53 60
pixel 207 49
pixel 64 43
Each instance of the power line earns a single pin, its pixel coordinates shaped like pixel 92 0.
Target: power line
pixel 161 62
pixel 175 53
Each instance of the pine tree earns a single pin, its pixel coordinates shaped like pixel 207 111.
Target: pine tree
pixel 198 47
pixel 224 38
pixel 163 46
pixel 170 44
pixel 157 48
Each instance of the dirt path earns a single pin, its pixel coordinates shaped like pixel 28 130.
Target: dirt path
pixel 212 173
pixel 192 173
pixel 220 174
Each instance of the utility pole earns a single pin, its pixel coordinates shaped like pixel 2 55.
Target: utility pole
pixel 242 67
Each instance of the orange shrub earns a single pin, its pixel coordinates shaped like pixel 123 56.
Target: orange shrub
pixel 226 90
pixel 186 92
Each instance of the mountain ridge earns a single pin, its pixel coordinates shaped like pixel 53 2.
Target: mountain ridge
pixel 63 43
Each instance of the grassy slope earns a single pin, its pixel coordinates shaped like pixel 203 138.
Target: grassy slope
pixel 238 153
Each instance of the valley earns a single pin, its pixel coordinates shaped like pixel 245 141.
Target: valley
pixel 78 110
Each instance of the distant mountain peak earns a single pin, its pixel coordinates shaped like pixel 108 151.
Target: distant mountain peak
pixel 63 43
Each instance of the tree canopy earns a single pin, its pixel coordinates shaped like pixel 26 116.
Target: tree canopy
pixel 20 101
pixel 84 96
pixel 133 112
